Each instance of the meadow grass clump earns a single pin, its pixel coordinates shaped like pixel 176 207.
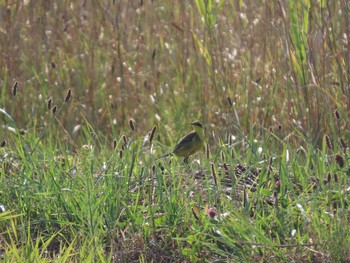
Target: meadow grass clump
pixel 268 81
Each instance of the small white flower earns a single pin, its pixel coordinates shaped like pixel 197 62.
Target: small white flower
pixel 293 232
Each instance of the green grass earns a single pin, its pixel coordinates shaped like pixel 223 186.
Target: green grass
pixel 270 81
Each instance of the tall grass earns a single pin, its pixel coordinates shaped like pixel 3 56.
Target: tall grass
pixel 83 85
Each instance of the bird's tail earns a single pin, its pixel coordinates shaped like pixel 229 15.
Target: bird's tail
pixel 165 155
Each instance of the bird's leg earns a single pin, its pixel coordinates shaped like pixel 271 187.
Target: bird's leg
pixel 187 165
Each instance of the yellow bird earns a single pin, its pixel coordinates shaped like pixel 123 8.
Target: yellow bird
pixel 190 143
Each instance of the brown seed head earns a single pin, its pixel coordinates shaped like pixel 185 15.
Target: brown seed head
pixel 214 174
pixel 339 160
pixel 335 178
pixel 49 104
pixel 154 54
pixel 152 134
pixel 114 144
pixel 132 124
pixel 336 114
pixel 3 143
pixel 54 109
pixel 68 95
pixel 15 88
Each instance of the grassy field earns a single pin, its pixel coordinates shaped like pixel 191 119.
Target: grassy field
pixel 92 92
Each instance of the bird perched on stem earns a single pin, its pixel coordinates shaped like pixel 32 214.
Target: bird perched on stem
pixel 190 143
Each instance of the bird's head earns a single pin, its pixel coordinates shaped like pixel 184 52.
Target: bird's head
pixel 197 124
pixel 198 128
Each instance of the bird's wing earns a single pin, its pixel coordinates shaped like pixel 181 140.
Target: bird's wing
pixel 185 140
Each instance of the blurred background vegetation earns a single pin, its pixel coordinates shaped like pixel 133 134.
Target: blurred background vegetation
pixel 251 65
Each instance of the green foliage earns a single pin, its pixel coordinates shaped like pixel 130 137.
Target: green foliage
pixel 209 11
pixel 299 32
pixel 83 85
